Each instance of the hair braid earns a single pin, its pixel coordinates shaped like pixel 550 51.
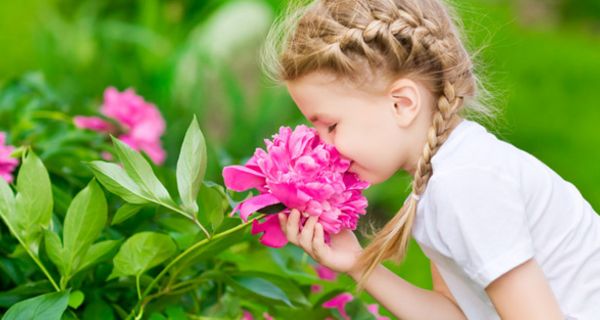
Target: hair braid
pixel 384 39
pixel 396 233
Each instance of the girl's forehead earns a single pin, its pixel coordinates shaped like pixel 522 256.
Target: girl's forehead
pixel 316 87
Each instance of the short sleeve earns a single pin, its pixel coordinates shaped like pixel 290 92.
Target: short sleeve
pixel 481 221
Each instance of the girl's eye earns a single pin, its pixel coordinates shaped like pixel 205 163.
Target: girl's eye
pixel 331 128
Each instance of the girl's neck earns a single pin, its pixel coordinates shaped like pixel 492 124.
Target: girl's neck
pixel 453 124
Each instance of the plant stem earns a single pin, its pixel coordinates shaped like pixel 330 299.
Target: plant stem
pixel 39 263
pixel 185 214
pixel 137 285
pixel 139 316
pixel 63 283
pixel 195 281
pixel 54 115
pixel 197 245
pixel 33 256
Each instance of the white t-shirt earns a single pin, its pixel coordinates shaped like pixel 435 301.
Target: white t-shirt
pixel 489 207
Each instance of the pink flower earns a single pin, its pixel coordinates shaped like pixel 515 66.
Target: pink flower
pixel 267 316
pixel 300 171
pixel 339 302
pixel 93 123
pixel 323 273
pixel 141 123
pixel 247 315
pixel 7 163
pixel 316 288
pixel 374 309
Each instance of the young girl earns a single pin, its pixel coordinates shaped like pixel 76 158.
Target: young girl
pixel 389 83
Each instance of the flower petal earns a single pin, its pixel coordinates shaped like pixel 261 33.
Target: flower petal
pixel 339 302
pixel 241 178
pixel 273 235
pixel 92 123
pixel 256 203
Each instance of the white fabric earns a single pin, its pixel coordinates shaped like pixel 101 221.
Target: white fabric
pixel 489 207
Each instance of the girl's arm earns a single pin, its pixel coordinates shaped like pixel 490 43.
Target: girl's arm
pixel 406 301
pixel 524 293
pixel 439 285
pixel 401 298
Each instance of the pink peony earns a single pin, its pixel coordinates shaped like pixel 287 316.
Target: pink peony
pixel 247 315
pixel 7 163
pixel 374 309
pixel 339 302
pixel 316 288
pixel 325 274
pixel 93 123
pixel 300 171
pixel 141 122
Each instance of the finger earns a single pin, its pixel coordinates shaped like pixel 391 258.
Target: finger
pixel 318 240
pixel 282 221
pixel 307 234
pixel 292 226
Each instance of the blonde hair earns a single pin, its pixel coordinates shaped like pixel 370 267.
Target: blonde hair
pixel 358 40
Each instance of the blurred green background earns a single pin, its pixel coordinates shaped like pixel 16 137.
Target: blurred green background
pixel 541 60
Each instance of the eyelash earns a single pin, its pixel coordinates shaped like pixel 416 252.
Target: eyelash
pixel 331 128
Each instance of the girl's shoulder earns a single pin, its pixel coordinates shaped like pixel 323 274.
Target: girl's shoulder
pixel 473 152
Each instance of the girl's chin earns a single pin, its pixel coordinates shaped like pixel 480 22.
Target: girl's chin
pixel 362 175
pixel 372 179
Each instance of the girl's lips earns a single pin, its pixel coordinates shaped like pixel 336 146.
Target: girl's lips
pixel 351 168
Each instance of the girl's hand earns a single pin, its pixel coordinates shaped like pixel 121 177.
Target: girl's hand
pixel 340 255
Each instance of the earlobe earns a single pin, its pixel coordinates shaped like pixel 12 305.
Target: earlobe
pixel 406 102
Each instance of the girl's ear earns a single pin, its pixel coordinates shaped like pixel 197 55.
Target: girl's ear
pixel 405 100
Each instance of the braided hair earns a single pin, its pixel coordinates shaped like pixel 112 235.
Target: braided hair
pixel 362 40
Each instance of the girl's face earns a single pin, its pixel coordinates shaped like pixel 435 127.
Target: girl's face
pixel 380 132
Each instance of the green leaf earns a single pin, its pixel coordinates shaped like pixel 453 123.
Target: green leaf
pixel 157 316
pixel 356 309
pixel 141 252
pixel 141 172
pixel 98 252
pixel 301 313
pixel 116 180
pixel 18 152
pixel 7 203
pixel 125 212
pixel 54 250
pixel 98 310
pixel 23 291
pixel 176 313
pixel 76 299
pixel 85 220
pixel 179 229
pixel 62 199
pixel 290 287
pixel 212 204
pixel 191 166
pixel 49 306
pixel 261 287
pixel 33 201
